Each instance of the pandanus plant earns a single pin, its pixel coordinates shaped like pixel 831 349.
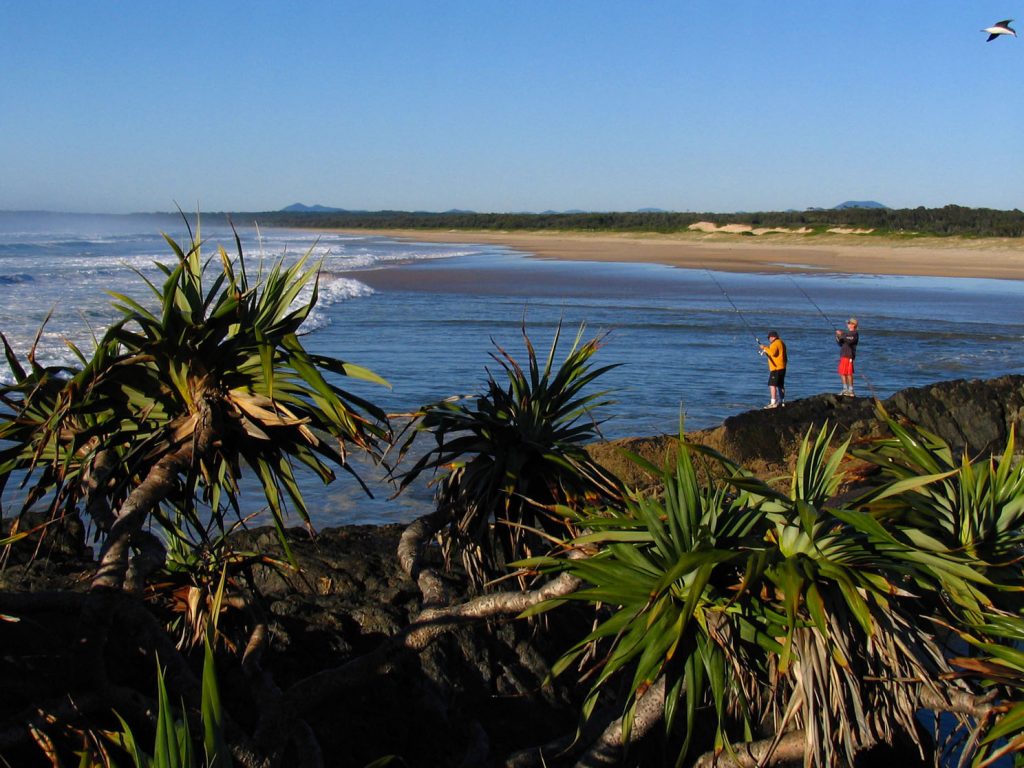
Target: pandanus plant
pixel 509 458
pixel 955 504
pixel 755 610
pixel 176 399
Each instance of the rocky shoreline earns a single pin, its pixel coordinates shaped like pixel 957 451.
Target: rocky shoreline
pixel 974 415
pixel 478 695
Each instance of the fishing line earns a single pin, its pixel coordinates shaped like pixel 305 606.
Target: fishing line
pixel 813 302
pixel 735 308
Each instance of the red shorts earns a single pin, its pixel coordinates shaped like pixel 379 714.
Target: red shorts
pixel 846 366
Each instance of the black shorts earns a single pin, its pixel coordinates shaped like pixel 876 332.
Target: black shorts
pixel 777 378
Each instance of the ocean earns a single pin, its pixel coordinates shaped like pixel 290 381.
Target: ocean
pixel 426 317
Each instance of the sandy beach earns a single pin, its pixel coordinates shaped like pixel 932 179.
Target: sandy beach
pixel 999 258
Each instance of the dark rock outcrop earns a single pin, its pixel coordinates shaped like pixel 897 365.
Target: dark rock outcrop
pixel 975 416
pixel 476 693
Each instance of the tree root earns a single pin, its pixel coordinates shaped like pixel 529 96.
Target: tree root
pixel 305 695
pixel 789 748
pixel 410 557
pixel 759 754
pixel 149 559
pixel 609 748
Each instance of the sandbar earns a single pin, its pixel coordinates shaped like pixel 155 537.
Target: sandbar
pixel 996 258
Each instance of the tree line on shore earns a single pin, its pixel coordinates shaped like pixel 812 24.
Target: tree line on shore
pixel 950 220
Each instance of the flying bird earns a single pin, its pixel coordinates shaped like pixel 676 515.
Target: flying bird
pixel 999 28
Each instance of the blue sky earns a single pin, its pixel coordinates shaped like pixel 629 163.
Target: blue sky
pixel 508 106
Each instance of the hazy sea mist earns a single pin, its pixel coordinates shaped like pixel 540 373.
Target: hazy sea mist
pixel 424 316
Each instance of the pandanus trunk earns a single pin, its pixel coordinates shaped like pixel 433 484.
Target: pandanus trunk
pixel 155 487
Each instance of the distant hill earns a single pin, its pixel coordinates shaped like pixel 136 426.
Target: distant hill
pixel 300 208
pixel 860 204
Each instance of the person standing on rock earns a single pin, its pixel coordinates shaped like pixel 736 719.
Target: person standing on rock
pixel 775 350
pixel 847 341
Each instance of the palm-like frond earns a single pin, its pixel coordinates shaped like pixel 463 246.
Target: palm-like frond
pixel 675 568
pixel 510 456
pixel 971 510
pixel 998 669
pixel 759 606
pixel 239 344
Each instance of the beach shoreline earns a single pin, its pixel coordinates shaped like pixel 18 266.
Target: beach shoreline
pixel 993 258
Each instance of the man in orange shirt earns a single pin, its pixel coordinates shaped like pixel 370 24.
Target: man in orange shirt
pixel 775 350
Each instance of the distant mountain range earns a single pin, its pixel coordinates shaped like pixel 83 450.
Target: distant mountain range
pixel 300 208
pixel 860 204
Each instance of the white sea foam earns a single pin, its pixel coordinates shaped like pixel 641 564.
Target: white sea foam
pixel 68 277
pixel 332 290
pixel 52 346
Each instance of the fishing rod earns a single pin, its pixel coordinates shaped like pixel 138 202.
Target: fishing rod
pixel 735 308
pixel 813 302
